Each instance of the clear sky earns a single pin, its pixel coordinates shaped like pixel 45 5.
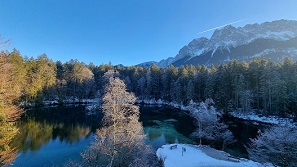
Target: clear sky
pixel 124 31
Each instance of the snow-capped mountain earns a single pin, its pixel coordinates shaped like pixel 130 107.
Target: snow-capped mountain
pixel 276 40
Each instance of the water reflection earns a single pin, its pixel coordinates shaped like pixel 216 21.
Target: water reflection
pixel 52 136
pixel 67 124
pixel 242 131
pixel 7 133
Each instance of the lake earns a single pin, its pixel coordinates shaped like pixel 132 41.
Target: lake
pixel 53 136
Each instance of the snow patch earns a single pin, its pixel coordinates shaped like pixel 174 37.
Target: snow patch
pixel 198 52
pixel 91 104
pixel 50 102
pixel 251 116
pixel 162 102
pixel 265 52
pixel 92 107
pixel 282 35
pixel 180 155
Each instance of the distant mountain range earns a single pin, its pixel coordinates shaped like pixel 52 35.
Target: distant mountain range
pixel 274 40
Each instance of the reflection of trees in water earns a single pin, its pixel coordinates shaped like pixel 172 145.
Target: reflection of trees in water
pixel 153 134
pixel 70 134
pixel 32 135
pixel 35 134
pixel 69 115
pixel 40 125
pixel 7 133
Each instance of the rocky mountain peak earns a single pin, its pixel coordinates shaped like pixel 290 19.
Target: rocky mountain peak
pixel 230 37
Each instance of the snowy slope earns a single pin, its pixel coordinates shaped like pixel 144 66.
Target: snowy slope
pixel 226 39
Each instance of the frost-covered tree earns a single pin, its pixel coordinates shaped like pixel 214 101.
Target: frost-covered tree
pixel 220 134
pixel 128 83
pixel 177 91
pixel 149 85
pixel 209 126
pixel 204 117
pixel 276 145
pixel 238 84
pixel 141 87
pixel 190 91
pixel 272 91
pixel 155 72
pixel 120 142
pixel 246 98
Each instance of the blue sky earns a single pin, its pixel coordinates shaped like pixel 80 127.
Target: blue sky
pixel 124 31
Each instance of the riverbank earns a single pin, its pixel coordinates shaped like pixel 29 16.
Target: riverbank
pixel 192 107
pixel 251 116
pixel 180 155
pixel 71 100
pixel 93 104
pixel 273 120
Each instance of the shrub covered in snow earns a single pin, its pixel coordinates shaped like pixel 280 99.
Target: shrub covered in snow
pixel 277 144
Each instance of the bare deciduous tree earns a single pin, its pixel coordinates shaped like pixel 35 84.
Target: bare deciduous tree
pixel 120 142
pixel 209 126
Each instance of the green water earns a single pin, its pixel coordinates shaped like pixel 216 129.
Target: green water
pixel 166 126
pixel 53 136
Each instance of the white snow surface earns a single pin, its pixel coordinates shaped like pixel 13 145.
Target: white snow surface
pixel 192 107
pixel 269 119
pixel 291 51
pixel 91 104
pixel 201 156
pixel 71 100
pixel 92 107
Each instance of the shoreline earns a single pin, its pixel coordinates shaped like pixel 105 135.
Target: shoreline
pixel 93 104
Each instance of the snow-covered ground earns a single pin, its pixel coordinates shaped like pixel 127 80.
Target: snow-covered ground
pixel 201 156
pixel 72 100
pixel 90 104
pixel 76 100
pixel 92 107
pixel 191 107
pixel 270 119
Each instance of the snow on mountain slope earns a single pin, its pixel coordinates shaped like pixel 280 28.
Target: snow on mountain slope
pixel 229 37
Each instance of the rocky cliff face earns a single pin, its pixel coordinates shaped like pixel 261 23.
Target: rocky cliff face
pixel 275 40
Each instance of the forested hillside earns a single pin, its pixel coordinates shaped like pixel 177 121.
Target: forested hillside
pixel 261 84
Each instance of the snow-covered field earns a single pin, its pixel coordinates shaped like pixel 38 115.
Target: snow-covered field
pixel 201 156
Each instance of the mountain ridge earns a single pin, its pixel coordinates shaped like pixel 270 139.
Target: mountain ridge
pixel 242 43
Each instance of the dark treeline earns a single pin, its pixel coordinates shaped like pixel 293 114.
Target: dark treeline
pixel 270 88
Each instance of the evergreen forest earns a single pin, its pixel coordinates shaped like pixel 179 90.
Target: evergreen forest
pixel 261 85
